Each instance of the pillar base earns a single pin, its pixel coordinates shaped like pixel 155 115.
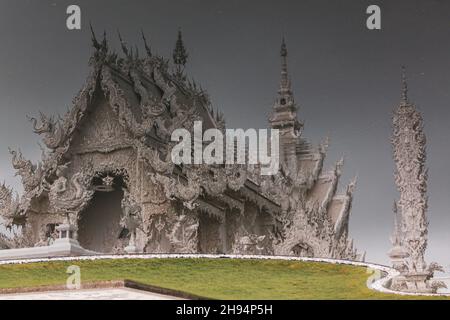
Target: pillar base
pixel 418 282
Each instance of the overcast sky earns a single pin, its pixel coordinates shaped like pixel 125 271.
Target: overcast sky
pixel 346 80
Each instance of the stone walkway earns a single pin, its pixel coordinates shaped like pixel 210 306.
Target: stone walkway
pixel 90 294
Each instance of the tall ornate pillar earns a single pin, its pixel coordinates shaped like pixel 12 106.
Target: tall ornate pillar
pixel 410 235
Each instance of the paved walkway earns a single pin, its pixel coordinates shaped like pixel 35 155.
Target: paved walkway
pixel 89 294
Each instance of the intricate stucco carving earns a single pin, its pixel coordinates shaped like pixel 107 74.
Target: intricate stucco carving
pixel 70 197
pixel 31 174
pixel 116 138
pixel 410 239
pixel 52 131
pixel 131 218
pixel 152 157
pixel 9 204
pixel 184 235
pixel 253 244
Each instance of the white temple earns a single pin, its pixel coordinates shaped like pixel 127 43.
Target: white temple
pixel 107 173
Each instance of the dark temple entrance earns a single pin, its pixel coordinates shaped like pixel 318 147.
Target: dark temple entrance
pixel 99 225
pixel 211 235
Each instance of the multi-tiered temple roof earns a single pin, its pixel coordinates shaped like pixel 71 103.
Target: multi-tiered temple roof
pixel 107 171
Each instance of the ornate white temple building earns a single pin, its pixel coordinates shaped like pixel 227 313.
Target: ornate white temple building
pixel 107 172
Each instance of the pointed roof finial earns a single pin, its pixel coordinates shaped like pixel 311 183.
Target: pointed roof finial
pixel 180 54
pixel 147 47
pixel 95 43
pixel 104 42
pixel 122 43
pixel 404 94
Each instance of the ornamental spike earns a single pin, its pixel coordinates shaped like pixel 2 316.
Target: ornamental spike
pixel 147 47
pixel 122 44
pixel 104 44
pixel 95 43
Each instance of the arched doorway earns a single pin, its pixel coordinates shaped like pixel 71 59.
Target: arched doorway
pixel 211 234
pixel 99 224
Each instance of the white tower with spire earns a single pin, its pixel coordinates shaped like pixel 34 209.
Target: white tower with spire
pixel 284 114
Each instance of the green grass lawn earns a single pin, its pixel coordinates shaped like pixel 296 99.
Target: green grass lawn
pixel 212 278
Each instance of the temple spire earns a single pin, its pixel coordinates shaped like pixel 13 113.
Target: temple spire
pixel 101 48
pixel 404 95
pixel 104 42
pixel 284 113
pixel 180 55
pixel 285 83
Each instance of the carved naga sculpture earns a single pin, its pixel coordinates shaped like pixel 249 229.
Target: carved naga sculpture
pixel 131 216
pixel 52 131
pixel 151 156
pixel 31 174
pixel 188 193
pixel 184 234
pixel 69 199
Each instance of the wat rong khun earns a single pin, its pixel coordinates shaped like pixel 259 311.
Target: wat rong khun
pixel 107 183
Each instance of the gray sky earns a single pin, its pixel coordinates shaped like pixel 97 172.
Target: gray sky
pixel 345 78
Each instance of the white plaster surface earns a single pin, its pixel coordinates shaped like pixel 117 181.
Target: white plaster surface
pixel 60 248
pixel 89 294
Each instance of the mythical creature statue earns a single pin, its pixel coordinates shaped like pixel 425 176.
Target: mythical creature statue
pixel 152 157
pixel 184 235
pixel 70 198
pixel 52 131
pixel 174 188
pixel 31 174
pixel 131 219
pixel 253 244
